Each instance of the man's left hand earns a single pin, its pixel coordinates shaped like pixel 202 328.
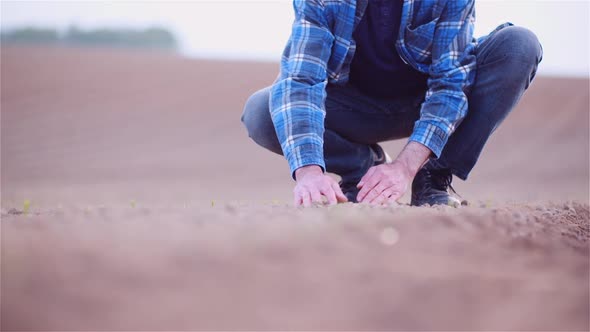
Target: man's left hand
pixel 385 183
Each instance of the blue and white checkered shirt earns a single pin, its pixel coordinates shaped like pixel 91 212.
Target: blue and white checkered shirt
pixel 436 37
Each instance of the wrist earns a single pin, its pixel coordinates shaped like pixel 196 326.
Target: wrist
pixel 304 171
pixel 413 157
pixel 407 166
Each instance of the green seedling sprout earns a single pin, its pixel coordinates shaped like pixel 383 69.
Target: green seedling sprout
pixel 133 203
pixel 212 203
pixel 26 206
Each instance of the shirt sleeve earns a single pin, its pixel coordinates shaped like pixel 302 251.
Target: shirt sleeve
pixel 298 96
pixel 445 105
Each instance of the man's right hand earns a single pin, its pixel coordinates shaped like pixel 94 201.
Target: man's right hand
pixel 312 184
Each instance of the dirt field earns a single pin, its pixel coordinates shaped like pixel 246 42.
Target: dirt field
pixel 150 209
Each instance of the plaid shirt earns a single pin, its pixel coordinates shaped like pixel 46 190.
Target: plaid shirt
pixel 436 37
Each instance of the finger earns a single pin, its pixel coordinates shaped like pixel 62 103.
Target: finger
pixel 297 200
pixel 383 198
pixel 306 198
pixel 375 192
pixel 365 177
pixel 379 198
pixel 367 187
pixel 316 197
pixel 339 194
pixel 394 197
pixel 330 195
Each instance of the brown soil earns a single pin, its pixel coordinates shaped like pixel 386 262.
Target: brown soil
pixel 150 209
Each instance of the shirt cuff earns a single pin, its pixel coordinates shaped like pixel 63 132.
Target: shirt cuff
pixel 430 135
pixel 305 155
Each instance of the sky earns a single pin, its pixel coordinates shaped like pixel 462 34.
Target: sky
pixel 258 30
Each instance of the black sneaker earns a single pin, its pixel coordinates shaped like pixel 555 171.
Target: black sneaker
pixel 349 187
pixel 430 186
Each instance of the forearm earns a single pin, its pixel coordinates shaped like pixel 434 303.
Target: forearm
pixel 413 156
pixel 298 117
pixel 451 72
pixel 297 97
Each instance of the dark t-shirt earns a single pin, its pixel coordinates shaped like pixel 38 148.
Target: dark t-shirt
pixel 376 68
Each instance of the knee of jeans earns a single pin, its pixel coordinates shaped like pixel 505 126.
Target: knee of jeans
pixel 522 45
pixel 255 103
pixel 255 112
pixel 256 118
pixel 264 136
pixel 522 53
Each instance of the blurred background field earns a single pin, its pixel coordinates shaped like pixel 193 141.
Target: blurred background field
pixel 153 38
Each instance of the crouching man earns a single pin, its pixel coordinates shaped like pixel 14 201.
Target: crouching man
pixel 358 72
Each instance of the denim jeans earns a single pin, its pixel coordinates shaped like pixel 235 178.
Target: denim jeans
pixel 506 64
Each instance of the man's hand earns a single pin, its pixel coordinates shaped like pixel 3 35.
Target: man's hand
pixel 386 183
pixel 312 184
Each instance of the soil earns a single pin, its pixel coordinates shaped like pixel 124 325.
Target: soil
pixel 132 199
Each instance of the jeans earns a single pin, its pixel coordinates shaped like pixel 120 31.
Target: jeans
pixel 506 65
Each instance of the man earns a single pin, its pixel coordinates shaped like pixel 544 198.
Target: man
pixel 358 72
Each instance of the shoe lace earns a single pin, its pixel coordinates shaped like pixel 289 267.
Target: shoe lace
pixel 440 179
